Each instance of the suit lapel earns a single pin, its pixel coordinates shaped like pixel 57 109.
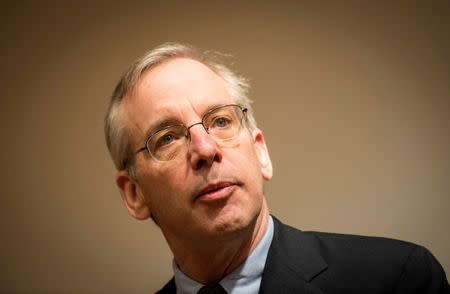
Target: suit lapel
pixel 293 262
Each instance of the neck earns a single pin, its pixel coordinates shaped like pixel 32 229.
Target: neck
pixel 211 262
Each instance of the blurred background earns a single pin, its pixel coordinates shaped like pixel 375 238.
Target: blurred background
pixel 353 98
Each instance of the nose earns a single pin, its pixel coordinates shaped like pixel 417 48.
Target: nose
pixel 203 149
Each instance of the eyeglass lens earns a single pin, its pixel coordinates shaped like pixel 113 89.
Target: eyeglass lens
pixel 222 123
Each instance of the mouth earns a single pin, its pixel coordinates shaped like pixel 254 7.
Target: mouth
pixel 216 192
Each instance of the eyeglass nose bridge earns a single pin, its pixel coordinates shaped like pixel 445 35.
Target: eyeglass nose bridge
pixel 189 129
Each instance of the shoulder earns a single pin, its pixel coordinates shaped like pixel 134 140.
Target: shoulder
pixel 409 267
pixel 364 248
pixel 402 267
pixel 336 247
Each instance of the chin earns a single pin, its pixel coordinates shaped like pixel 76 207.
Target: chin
pixel 233 221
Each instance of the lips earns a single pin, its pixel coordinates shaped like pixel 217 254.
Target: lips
pixel 216 191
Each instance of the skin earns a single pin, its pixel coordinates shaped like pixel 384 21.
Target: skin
pixel 210 234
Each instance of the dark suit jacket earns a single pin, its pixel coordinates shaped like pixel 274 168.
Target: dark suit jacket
pixel 314 262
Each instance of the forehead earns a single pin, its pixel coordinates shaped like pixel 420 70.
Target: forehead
pixel 181 89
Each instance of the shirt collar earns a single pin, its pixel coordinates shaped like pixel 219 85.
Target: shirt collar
pixel 244 279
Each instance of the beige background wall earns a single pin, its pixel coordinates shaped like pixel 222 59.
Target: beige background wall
pixel 354 100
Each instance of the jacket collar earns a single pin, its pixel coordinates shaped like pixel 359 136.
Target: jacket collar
pixel 293 261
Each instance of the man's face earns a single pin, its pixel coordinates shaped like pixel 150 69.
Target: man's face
pixel 211 190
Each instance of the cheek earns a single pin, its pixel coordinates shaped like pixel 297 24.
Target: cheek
pixel 247 164
pixel 159 178
pixel 160 189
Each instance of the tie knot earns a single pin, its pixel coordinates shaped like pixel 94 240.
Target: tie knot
pixel 212 289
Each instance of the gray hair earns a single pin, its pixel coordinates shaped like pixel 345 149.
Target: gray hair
pixel 117 136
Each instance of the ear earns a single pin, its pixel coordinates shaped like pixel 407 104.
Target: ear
pixel 132 196
pixel 263 154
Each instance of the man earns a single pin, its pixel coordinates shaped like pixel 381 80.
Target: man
pixel 189 155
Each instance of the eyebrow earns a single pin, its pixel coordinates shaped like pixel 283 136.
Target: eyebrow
pixel 161 124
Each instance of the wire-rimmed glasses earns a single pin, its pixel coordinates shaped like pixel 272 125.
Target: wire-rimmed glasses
pixel 222 123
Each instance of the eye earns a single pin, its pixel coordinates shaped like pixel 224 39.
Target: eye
pixel 221 122
pixel 165 140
